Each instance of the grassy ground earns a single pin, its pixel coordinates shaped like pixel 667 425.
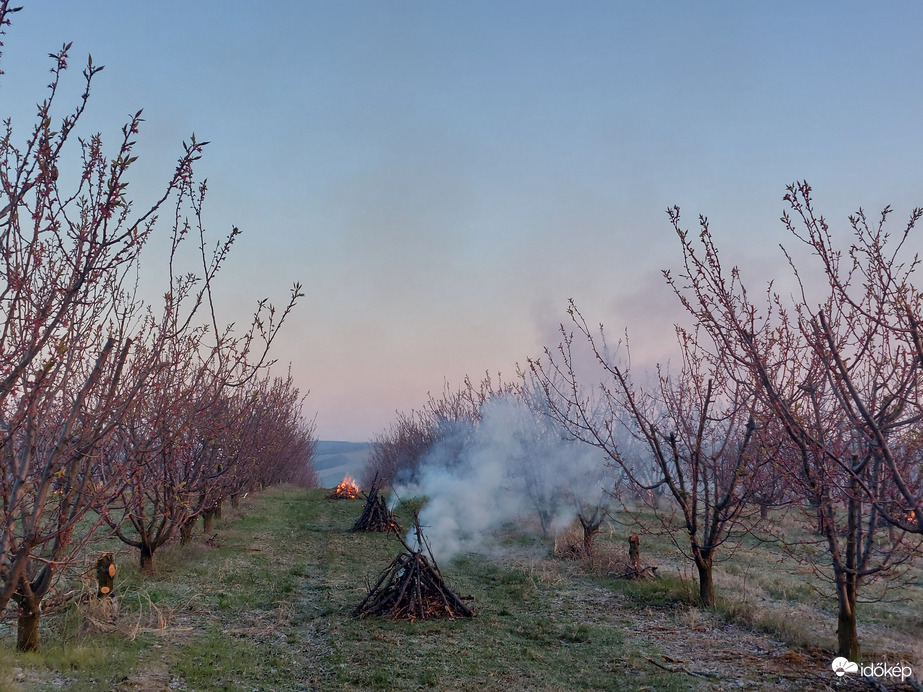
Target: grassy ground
pixel 264 604
pixel 763 586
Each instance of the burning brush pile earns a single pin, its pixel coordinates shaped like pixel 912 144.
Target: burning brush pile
pixel 346 490
pixel 412 588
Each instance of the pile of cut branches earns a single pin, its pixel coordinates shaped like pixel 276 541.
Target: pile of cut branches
pixel 412 588
pixel 375 515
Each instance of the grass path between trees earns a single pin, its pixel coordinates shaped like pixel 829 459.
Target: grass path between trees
pixel 264 604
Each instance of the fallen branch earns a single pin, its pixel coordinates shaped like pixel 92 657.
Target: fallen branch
pixel 649 572
pixel 680 669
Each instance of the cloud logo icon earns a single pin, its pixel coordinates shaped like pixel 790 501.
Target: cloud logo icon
pixel 841 666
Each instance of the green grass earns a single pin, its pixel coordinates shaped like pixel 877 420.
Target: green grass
pixel 762 586
pixel 267 606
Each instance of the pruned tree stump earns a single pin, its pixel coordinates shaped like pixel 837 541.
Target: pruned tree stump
pixel 105 575
pixel 634 569
pixel 634 551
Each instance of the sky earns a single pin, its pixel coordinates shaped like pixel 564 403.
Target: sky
pixel 443 176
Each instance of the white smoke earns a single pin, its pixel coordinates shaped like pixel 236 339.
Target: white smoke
pixel 513 465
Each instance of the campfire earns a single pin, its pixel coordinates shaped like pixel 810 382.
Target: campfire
pixel 412 588
pixel 346 490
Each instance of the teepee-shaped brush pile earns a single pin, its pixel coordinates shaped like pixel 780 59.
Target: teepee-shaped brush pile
pixel 412 588
pixel 375 515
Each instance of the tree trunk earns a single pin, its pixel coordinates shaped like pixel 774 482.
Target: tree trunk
pixel 657 497
pixel 217 509
pixel 185 531
pixel 634 552
pixel 821 528
pixel 27 624
pixel 207 516
pixel 29 599
pixel 847 580
pixel 591 526
pixel 235 501
pixel 544 519
pixel 588 535
pixel 706 583
pixel 847 637
pixel 764 512
pixel 147 559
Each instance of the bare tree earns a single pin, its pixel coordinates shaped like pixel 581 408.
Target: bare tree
pixel 270 441
pixel 77 346
pixel 398 450
pixel 560 476
pixel 868 339
pixel 838 382
pixel 177 437
pixel 697 427
pixel 69 324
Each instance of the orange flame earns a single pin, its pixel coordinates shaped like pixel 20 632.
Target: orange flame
pixel 347 489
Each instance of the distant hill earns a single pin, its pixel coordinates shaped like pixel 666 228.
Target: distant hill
pixel 333 460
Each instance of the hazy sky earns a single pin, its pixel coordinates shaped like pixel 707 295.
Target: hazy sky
pixel 442 176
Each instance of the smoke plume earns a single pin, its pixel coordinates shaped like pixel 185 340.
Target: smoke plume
pixel 511 466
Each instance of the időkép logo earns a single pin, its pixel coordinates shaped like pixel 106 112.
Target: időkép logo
pixel 898 671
